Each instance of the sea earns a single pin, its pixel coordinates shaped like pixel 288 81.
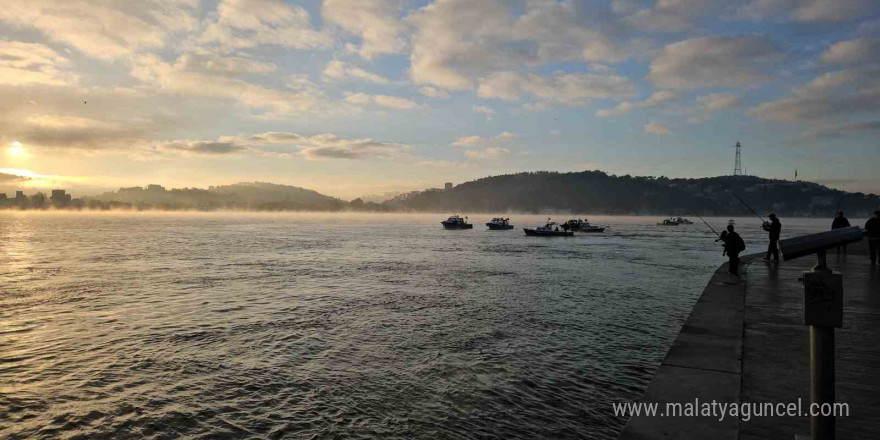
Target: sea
pixel 149 325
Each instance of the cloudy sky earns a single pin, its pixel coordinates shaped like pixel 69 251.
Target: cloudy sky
pixel 351 97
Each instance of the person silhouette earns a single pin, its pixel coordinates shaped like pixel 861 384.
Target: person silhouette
pixel 872 231
pixel 733 245
pixel 840 221
pixel 774 227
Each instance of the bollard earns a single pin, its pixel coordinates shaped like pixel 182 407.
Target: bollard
pixel 823 311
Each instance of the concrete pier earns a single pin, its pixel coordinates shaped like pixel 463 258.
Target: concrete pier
pixel 745 341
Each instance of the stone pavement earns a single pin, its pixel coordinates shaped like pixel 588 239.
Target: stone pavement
pixel 745 341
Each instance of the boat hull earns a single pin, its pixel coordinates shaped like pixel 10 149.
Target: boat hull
pixel 457 225
pixel 536 233
pixel 591 230
pixel 497 227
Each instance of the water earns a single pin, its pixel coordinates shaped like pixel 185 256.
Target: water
pixel 308 326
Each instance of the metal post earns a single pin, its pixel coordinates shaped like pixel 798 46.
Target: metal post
pixel 821 380
pixel 822 349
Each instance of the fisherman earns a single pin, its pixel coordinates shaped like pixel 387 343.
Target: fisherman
pixel 774 227
pixel 840 221
pixel 872 230
pixel 733 245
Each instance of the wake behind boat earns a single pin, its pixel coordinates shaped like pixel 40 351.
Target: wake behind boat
pixel 499 224
pixel 550 229
pixel 456 222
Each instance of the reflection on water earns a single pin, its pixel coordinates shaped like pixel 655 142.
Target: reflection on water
pixel 335 326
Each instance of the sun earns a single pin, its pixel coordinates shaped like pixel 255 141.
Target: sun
pixel 16 149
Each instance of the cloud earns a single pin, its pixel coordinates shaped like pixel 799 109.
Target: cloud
pixel 33 64
pixel 818 107
pixel 656 129
pixel 714 62
pixel 488 153
pixel 483 109
pixel 571 89
pixel 300 95
pixel 483 141
pixel 804 11
pixel 717 101
pixel 433 92
pixel 103 29
pixel 658 99
pixel 860 50
pixel 220 64
pixel 375 22
pixel 671 15
pixel 202 148
pixel 455 42
pixel 395 102
pixel 330 146
pixel 339 70
pixel 844 130
pixel 287 144
pixel 6 179
pixel 711 103
pixel 830 95
pixel 240 24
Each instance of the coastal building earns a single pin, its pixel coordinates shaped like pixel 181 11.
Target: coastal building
pixel 447 186
pixel 60 198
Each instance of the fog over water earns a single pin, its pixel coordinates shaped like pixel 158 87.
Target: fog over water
pixel 301 326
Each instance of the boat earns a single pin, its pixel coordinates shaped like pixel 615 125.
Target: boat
pixel 456 222
pixel 669 222
pixel 550 229
pixel 578 225
pixel 499 224
pixel 683 221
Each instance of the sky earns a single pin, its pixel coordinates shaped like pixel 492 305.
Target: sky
pixel 355 97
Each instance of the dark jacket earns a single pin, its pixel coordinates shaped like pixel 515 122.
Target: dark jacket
pixel 840 222
pixel 873 228
pixel 733 243
pixel 774 229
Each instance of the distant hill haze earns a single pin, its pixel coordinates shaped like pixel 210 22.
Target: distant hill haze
pixel 587 192
pixel 252 196
pixel 600 193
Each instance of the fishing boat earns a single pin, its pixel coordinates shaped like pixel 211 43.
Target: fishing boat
pixel 669 222
pixel 683 221
pixel 499 224
pixel 578 225
pixel 456 222
pixel 550 229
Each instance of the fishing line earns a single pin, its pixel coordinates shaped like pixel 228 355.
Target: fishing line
pixel 750 208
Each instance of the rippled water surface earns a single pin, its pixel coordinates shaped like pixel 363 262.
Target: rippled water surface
pixel 308 326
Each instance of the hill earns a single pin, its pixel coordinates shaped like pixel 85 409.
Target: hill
pixel 600 193
pixel 254 196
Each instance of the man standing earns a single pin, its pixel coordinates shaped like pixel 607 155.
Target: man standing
pixel 774 227
pixel 840 222
pixel 733 245
pixel 872 230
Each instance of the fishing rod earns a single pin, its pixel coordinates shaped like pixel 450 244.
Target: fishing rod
pixel 750 208
pixel 710 226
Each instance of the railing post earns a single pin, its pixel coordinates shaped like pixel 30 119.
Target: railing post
pixel 823 310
